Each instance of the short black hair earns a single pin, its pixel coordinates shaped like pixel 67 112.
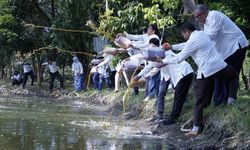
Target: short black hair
pixel 50 59
pixel 154 27
pixel 154 41
pixel 187 26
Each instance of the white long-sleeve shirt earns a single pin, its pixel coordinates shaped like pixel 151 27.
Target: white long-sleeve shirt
pixel 26 68
pixel 175 71
pixel 224 33
pixel 144 38
pixel 16 77
pixel 146 71
pixel 107 61
pixel 200 48
pixel 52 67
pixel 77 68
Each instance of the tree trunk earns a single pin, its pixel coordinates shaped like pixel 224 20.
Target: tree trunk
pixel 38 69
pixel 189 6
pixel 53 9
pixel 1 71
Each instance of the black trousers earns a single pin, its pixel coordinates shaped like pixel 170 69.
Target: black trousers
pixel 221 91
pixel 204 89
pixel 25 78
pixel 52 79
pixel 180 94
pixel 16 82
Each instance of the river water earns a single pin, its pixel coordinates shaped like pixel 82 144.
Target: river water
pixel 46 124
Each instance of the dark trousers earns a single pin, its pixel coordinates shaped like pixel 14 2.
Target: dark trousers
pixel 16 82
pixel 221 89
pixel 180 94
pixel 204 89
pixel 95 80
pixel 161 97
pixel 52 79
pixel 25 78
pixel 103 81
pixel 112 78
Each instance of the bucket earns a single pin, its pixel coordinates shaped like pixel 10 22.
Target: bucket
pixel 122 42
pixel 152 55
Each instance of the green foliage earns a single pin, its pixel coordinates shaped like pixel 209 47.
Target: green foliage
pixel 134 16
pixel 7 32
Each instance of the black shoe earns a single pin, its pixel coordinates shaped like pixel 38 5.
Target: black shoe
pixel 166 121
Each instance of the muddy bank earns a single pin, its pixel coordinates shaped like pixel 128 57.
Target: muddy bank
pixel 215 135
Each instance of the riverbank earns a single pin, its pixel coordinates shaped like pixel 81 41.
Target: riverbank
pixel 226 126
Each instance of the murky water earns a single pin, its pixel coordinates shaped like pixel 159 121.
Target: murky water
pixel 42 124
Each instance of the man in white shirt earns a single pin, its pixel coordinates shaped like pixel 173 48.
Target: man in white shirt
pixel 180 75
pixel 210 66
pixel 138 42
pixel 53 69
pixel 103 70
pixel 77 70
pixel 153 80
pixel 27 71
pixel 229 41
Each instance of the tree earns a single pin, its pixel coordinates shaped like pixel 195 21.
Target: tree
pixel 8 34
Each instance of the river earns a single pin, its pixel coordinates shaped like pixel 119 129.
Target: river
pixel 47 124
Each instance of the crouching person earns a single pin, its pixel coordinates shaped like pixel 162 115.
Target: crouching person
pixel 16 79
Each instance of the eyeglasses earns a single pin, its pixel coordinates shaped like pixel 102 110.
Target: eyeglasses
pixel 198 16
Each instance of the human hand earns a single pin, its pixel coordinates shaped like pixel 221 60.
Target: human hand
pixel 158 59
pixel 136 78
pixel 166 46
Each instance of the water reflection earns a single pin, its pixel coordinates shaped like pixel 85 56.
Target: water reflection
pixel 45 125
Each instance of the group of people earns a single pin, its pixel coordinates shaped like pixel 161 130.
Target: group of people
pixel 77 70
pixel 218 50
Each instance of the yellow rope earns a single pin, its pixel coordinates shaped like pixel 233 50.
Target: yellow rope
pixel 92 25
pixel 62 50
pixel 58 29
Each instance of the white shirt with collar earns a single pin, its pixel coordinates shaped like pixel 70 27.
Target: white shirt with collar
pixel 26 68
pixel 200 48
pixel 175 71
pixel 224 33
pixel 52 67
